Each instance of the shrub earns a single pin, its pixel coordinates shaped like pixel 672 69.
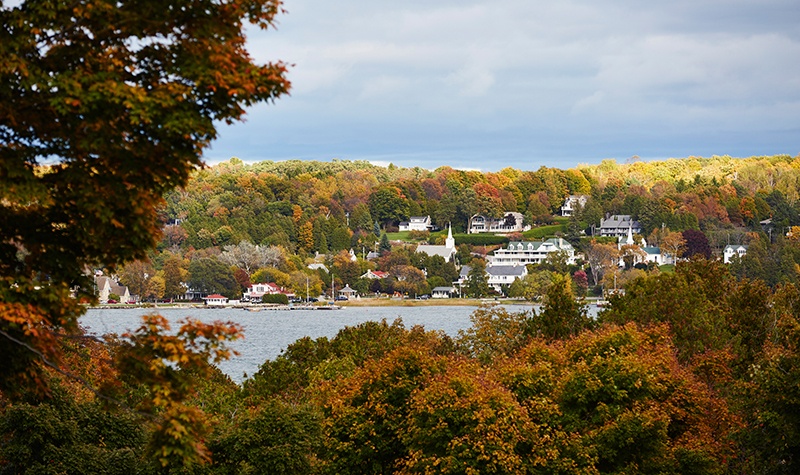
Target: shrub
pixel 275 298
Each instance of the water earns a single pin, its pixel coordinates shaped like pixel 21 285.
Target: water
pixel 267 333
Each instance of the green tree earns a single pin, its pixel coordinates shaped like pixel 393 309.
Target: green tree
pixel 385 245
pixel 387 204
pixel 272 438
pixel 211 276
pixel 477 279
pixel 562 316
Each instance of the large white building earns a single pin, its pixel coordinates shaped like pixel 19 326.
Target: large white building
pixel 497 276
pixel 531 252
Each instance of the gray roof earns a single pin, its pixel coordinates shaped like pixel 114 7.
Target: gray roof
pixel 506 270
pixel 431 250
pixel 620 221
pixel 497 270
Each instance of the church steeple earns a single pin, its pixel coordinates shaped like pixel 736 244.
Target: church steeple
pixel 450 242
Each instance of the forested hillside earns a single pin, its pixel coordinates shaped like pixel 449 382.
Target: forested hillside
pixel 278 203
pixel 295 210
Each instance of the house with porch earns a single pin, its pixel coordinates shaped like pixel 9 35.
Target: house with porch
pixel 618 225
pixel 497 275
pixel 442 292
pixel 531 252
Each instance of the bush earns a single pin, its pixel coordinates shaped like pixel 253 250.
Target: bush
pixel 419 235
pixel 275 298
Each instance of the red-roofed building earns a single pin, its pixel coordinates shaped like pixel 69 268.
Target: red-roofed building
pixel 216 299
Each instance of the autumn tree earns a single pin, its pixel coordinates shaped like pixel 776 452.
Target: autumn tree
pixel 104 107
pixel 601 258
pixel 673 244
pixel 175 273
pixel 696 243
pixel 136 276
pixel 617 401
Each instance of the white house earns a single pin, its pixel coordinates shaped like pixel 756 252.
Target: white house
pixel 442 292
pixel 531 252
pixel 511 222
pixel 619 225
pixel 448 251
pixel 417 223
pixel 256 291
pixel 571 203
pixel 216 299
pixel 497 276
pixel 647 253
pixel 733 250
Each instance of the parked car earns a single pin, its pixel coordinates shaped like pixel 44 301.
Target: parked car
pixel 341 298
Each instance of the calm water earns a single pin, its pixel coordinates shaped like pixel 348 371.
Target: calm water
pixel 269 332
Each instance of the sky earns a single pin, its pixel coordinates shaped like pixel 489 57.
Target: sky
pixel 489 84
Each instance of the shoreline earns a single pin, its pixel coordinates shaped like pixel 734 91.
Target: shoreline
pixel 364 302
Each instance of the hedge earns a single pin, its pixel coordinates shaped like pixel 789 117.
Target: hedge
pixel 275 298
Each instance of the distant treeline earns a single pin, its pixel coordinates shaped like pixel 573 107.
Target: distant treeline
pixel 309 206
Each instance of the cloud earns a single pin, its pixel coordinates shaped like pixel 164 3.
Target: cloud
pixel 528 82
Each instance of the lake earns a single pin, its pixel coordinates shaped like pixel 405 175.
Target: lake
pixel 267 333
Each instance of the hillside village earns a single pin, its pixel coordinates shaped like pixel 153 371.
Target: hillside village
pixel 345 230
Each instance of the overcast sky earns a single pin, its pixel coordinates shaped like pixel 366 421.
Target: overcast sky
pixel 487 84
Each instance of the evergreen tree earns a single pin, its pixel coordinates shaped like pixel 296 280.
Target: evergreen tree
pixel 477 279
pixel 385 245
